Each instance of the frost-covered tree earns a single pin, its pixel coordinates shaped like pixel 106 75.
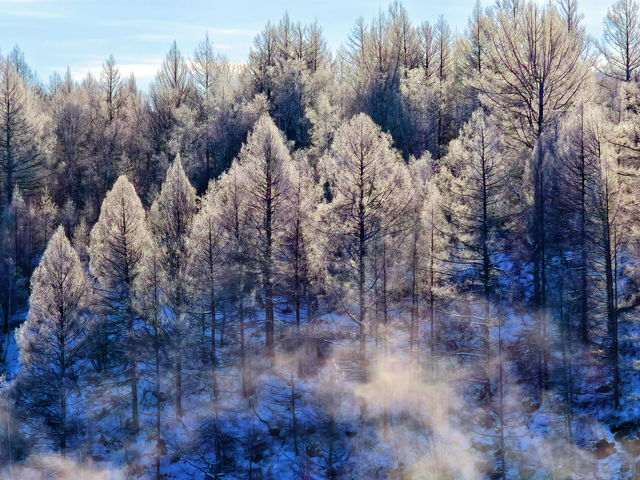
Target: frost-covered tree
pixel 211 78
pixel 48 213
pixel 404 37
pixel 265 169
pixel 374 72
pixel 284 64
pixel 569 9
pixel 205 66
pixel 421 172
pixel 14 244
pixel 536 68
pixel 620 46
pixel 149 303
pixel 233 216
pixel 481 204
pixel 367 179
pixel 51 339
pixel 434 278
pixel 207 243
pixel 119 240
pixel 112 85
pixel 613 203
pixel 170 220
pixel 171 90
pixel 20 158
pixel 470 59
pixel 300 263
pixel 209 253
pixel 578 166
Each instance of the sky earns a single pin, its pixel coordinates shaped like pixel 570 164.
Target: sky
pixel 81 34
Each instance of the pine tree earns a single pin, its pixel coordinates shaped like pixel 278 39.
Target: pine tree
pixel 51 339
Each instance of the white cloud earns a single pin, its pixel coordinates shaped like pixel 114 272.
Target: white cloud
pixel 171 27
pixel 144 70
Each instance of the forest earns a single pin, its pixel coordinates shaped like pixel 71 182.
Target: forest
pixel 414 257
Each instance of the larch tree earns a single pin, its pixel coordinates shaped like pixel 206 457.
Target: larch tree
pixel 428 49
pixel 475 48
pixel 231 207
pixel 48 213
pixel 205 65
pixel 265 164
pixel 113 88
pixel 620 46
pixel 207 243
pixel 366 178
pixel 535 69
pixel 404 38
pixel 569 9
pixel 114 98
pixel 20 158
pixel 481 204
pixel 170 220
pixel 374 74
pixel 14 247
pixel 613 200
pixel 208 69
pixel 119 240
pixel 51 339
pixel 299 266
pixel 316 52
pixel 149 303
pixel 420 171
pixel 171 90
pixel 577 168
pixel 470 58
pixel 434 274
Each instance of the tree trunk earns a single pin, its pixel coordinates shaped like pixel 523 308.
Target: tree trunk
pixel 156 347
pixel 179 376
pixel 133 376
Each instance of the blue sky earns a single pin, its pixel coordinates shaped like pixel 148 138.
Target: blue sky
pixel 80 34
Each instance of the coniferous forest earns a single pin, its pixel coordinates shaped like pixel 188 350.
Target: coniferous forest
pixel 414 257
